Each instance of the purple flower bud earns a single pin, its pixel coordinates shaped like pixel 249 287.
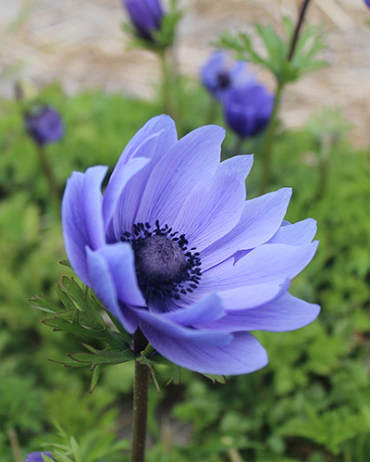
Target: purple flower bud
pixel 248 110
pixel 37 456
pixel 44 125
pixel 146 16
pixel 220 73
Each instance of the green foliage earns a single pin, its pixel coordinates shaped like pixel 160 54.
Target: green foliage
pixel 312 402
pixel 276 50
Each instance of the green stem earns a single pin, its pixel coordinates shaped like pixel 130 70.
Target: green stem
pixel 141 391
pixel 237 146
pixel 269 141
pixel 15 445
pixel 168 83
pixel 50 178
pixel 270 134
pixel 297 30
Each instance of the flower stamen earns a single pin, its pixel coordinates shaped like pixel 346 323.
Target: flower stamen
pixel 165 267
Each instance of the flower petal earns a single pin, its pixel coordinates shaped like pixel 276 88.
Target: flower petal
pixel 92 205
pixel 75 234
pixel 252 296
pixel 297 234
pixel 270 263
pixel 173 177
pixel 151 142
pixel 242 355
pixel 112 274
pixel 206 310
pixel 118 182
pixel 150 323
pixel 260 219
pixel 161 123
pixel 284 314
pixel 212 210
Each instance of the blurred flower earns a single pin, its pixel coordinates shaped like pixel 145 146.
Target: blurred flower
pixel 37 456
pixel 220 73
pixel 44 125
pixel 146 16
pixel 248 110
pixel 367 3
pixel 174 249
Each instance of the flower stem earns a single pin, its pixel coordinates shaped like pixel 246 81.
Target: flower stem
pixel 269 141
pixel 168 82
pixel 141 389
pixel 50 178
pixel 270 134
pixel 295 37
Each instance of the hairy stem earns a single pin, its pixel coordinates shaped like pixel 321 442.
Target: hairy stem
pixel 141 389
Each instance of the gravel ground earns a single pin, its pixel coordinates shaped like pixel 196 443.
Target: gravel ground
pixel 81 44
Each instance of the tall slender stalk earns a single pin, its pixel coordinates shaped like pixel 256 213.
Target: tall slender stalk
pixel 169 77
pixel 50 178
pixel 141 392
pixel 270 134
pixel 269 141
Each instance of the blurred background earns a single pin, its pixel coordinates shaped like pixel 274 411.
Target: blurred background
pixel 81 45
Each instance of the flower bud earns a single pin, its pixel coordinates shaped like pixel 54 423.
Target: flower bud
pixel 248 110
pixel 44 125
pixel 146 16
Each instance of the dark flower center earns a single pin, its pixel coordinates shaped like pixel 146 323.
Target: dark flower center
pixel 223 80
pixel 164 265
pixel 160 260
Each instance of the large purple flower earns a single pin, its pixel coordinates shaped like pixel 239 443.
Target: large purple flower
pixel 146 16
pixel 37 456
pixel 220 73
pixel 44 125
pixel 174 248
pixel 248 109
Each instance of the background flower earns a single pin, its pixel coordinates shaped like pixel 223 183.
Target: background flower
pixel 367 3
pixel 44 125
pixel 173 248
pixel 37 456
pixel 220 73
pixel 247 110
pixel 146 16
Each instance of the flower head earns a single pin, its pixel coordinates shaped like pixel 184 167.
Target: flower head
pixel 37 456
pixel 220 73
pixel 44 125
pixel 367 3
pixel 174 248
pixel 146 16
pixel 247 110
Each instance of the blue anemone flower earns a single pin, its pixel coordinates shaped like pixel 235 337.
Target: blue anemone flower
pixel 247 110
pixel 44 125
pixel 220 73
pixel 37 456
pixel 146 16
pixel 173 248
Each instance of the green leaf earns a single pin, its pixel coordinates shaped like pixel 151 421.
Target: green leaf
pixel 98 357
pixel 216 378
